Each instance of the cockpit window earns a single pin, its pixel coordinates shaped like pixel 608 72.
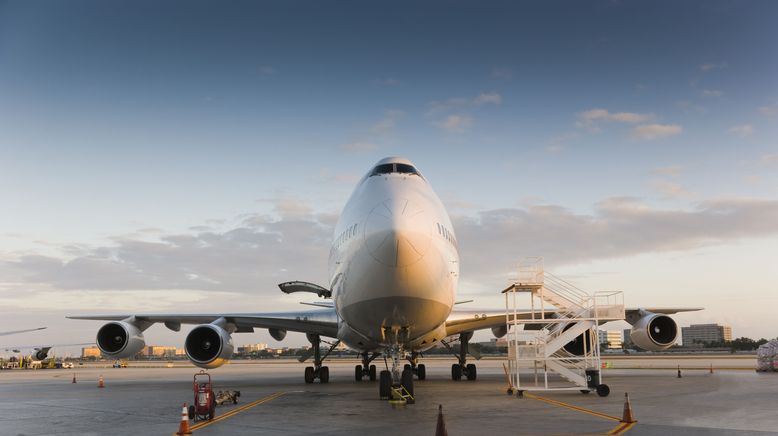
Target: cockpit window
pixel 406 169
pixel 394 168
pixel 382 169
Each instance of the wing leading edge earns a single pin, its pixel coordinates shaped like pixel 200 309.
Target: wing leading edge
pixel 322 322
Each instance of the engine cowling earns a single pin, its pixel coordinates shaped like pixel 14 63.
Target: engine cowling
pixel 119 340
pixel 208 346
pixel 654 332
pixel 277 334
pixel 42 353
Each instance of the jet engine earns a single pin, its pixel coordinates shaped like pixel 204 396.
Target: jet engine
pixel 120 339
pixel 654 332
pixel 42 353
pixel 277 334
pixel 208 346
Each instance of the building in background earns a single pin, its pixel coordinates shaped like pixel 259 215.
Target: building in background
pixel 252 348
pixel 697 335
pixel 160 351
pixel 90 352
pixel 611 339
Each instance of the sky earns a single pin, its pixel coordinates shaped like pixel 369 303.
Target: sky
pixel 188 156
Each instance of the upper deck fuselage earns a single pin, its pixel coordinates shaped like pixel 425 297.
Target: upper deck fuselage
pixel 394 262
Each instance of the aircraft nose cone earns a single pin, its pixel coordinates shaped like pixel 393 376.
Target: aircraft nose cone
pixel 398 232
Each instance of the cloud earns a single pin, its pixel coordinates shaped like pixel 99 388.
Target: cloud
pixel 710 67
pixel 673 170
pixel 252 257
pixel 459 103
pixel 655 131
pixel 769 159
pixel 358 146
pixel 711 93
pixel 619 227
pixel 768 111
pixel 484 98
pixel 455 123
pixel 588 119
pixel 670 189
pixel 502 73
pixel 388 122
pixel 742 130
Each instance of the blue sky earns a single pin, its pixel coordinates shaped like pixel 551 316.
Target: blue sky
pixel 148 121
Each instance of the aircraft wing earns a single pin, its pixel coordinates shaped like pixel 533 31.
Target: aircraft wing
pixel 322 322
pixel 470 320
pixel 13 332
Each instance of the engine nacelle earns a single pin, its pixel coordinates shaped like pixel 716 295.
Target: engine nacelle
pixel 500 331
pixel 119 340
pixel 208 346
pixel 277 334
pixel 42 353
pixel 654 332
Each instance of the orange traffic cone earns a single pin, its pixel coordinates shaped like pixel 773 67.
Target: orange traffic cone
pixel 74 377
pixel 679 371
pixel 100 382
pixel 183 427
pixel 440 430
pixel 627 415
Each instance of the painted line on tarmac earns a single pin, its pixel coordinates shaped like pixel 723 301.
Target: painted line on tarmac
pixel 234 412
pixel 622 428
pixel 572 407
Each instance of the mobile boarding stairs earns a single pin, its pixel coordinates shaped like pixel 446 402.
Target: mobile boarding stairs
pixel 560 335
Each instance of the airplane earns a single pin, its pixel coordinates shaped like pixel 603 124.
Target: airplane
pixel 393 275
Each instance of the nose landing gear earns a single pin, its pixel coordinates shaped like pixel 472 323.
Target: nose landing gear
pixel 395 385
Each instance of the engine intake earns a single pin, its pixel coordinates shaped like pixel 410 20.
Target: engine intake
pixel 208 346
pixel 120 340
pixel 654 332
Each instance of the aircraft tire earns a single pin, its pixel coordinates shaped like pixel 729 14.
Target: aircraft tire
pixel 385 385
pixel 471 371
pixel 421 372
pixel 309 374
pixel 456 372
pixel 407 382
pixel 358 373
pixel 372 373
pixel 324 374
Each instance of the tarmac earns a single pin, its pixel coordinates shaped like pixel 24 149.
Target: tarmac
pixel 275 400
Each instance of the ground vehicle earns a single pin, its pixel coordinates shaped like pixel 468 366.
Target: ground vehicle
pixel 67 365
pixel 204 407
pixel 120 364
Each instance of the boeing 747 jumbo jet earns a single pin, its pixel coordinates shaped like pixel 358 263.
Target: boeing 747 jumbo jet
pixel 393 272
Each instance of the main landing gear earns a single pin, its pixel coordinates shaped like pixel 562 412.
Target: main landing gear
pixel 462 368
pixel 415 367
pixel 317 371
pixel 366 369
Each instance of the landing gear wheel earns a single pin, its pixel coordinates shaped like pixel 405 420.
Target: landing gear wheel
pixel 603 390
pixel 309 374
pixel 191 412
pixel 456 372
pixel 407 367
pixel 471 373
pixel 407 383
pixel 421 372
pixel 372 373
pixel 358 373
pixel 324 374
pixel 385 385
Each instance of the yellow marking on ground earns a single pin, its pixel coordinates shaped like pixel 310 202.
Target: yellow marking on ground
pixel 234 412
pixel 622 428
pixel 572 407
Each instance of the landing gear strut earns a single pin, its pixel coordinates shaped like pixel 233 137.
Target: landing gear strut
pixel 317 371
pixel 365 369
pixel 462 368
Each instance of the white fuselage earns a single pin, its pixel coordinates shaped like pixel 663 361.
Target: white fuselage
pixel 393 264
